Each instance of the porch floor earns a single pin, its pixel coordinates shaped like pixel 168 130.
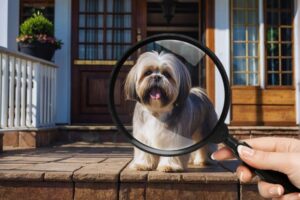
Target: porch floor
pixel 99 171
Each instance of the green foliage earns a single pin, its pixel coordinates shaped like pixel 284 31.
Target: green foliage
pixel 37 24
pixel 38 29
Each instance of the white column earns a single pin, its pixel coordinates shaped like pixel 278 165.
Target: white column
pixel 222 49
pixel 297 58
pixel 63 60
pixel 261 44
pixel 9 23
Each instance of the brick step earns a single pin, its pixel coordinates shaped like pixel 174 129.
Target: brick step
pixel 89 133
pixel 93 171
pixel 31 138
pixel 110 133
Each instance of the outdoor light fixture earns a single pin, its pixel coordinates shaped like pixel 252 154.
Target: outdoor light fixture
pixel 168 8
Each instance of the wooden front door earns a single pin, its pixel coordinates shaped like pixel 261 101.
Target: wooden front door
pixel 103 29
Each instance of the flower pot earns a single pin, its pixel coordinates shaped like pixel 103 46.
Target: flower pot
pixel 38 49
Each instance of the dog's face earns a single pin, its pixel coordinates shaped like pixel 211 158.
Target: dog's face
pixel 158 81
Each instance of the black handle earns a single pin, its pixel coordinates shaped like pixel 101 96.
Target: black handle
pixel 270 176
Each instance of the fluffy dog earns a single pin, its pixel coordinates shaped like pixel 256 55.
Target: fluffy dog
pixel 169 113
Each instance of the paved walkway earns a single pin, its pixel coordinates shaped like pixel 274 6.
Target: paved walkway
pixel 99 171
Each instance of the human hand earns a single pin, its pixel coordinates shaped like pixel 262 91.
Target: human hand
pixel 278 154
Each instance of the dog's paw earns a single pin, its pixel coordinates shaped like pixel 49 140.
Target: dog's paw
pixel 140 167
pixel 169 168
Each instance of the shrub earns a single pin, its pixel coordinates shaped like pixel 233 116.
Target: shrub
pixel 38 29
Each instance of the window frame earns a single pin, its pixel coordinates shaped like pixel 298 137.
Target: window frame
pixel 104 28
pixel 246 57
pixel 262 50
pixel 267 86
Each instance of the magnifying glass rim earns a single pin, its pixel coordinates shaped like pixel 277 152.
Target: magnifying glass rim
pixel 118 122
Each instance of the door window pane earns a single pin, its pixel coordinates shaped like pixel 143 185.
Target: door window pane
pixel 273 64
pixel 287 79
pixel 273 79
pixel 239 79
pixel 253 65
pixel 239 64
pixel 239 49
pixel 104 31
pixel 279 44
pixel 245 41
pixel 287 64
pixel 252 33
pixel 239 33
pixel 252 49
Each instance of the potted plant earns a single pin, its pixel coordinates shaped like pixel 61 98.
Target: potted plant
pixel 37 37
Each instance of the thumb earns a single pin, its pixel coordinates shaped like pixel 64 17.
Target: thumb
pixel 277 161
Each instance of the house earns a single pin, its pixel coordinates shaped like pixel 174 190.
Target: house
pixel 256 40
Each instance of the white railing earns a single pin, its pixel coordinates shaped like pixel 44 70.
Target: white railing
pixel 27 91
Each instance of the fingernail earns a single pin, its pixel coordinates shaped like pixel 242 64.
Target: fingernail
pixel 241 176
pixel 245 151
pixel 212 156
pixel 275 191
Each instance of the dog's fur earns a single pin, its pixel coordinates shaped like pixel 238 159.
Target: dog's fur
pixel 169 114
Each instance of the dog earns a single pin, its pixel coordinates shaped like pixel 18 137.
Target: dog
pixel 169 114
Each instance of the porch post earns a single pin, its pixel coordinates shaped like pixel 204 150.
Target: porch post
pixel 63 60
pixel 222 50
pixel 9 23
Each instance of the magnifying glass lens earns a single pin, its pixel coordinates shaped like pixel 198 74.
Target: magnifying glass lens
pixel 165 86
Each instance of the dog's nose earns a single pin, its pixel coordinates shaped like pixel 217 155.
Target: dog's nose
pixel 157 78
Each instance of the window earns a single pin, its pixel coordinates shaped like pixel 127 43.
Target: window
pixel 245 39
pixel 277 46
pixel 279 42
pixel 104 29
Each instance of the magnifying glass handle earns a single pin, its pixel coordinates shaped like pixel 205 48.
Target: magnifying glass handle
pixel 270 176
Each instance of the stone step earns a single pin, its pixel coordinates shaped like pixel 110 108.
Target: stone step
pixel 32 138
pixel 93 171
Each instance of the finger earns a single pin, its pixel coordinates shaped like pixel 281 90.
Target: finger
pixel 244 174
pixel 292 196
pixel 265 160
pixel 222 154
pixel 268 190
pixel 275 144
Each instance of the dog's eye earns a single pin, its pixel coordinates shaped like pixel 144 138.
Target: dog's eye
pixel 166 74
pixel 147 73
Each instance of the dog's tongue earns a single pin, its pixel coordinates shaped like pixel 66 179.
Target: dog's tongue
pixel 155 94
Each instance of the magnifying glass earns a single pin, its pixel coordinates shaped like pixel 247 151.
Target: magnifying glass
pixel 173 122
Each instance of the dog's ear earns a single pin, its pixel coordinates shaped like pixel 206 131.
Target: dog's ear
pixel 185 84
pixel 129 88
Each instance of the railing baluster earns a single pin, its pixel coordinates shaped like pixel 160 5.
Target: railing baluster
pixel 11 103
pixel 35 95
pixel 4 98
pixel 49 96
pixel 29 95
pixel 18 93
pixel 23 92
pixel 52 95
pixel 45 95
pixel 55 94
pixel 27 91
pixel 42 119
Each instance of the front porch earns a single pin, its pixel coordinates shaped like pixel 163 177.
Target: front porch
pixel 99 171
pixel 89 162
